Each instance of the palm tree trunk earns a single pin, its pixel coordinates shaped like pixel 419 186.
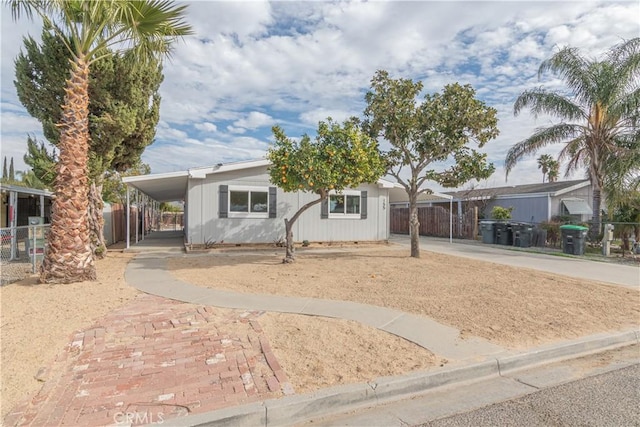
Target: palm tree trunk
pixel 96 220
pixel 596 225
pixel 68 256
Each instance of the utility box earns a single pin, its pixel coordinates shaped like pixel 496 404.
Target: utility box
pixel 574 239
pixel 35 242
pixel 488 231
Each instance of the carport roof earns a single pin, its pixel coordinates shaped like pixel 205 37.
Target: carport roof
pixel 162 187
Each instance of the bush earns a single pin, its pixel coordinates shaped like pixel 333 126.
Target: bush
pixel 500 213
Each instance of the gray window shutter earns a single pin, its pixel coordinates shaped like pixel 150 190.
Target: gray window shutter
pixel 273 201
pixel 223 201
pixel 363 205
pixel 324 208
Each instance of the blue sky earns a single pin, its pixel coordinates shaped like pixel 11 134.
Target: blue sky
pixel 251 65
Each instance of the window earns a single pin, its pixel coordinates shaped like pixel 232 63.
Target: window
pixel 345 205
pixel 247 202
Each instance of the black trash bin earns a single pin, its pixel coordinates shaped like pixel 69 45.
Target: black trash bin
pixel 488 231
pixel 574 239
pixel 504 234
pixel 522 235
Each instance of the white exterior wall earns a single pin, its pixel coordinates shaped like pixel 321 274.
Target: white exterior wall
pixel 583 193
pixel 204 223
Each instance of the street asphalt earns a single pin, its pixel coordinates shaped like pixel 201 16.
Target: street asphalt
pixel 610 399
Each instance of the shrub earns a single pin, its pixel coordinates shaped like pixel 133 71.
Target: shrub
pixel 500 213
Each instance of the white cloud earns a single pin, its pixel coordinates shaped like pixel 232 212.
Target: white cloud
pixel 254 64
pixel 206 127
pixel 254 120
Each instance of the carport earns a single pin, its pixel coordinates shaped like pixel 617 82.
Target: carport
pixel 150 190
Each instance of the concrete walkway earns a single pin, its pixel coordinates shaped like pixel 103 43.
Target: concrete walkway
pixel 618 274
pixel 148 274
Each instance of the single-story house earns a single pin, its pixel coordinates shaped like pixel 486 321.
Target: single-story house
pixel 532 203
pixel 236 203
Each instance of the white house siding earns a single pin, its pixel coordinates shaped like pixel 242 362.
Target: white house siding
pixel 584 193
pixel 525 209
pixel 204 223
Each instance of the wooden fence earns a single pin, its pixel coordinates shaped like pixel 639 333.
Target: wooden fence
pixel 434 221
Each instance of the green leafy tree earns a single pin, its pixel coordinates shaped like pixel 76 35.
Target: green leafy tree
pixel 89 29
pixel 340 156
pixel 5 171
pixel 114 190
pixel 598 115
pixel 123 110
pixel 41 161
pixel 438 129
pixel 12 172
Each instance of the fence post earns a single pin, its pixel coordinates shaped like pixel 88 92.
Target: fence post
pixel 33 250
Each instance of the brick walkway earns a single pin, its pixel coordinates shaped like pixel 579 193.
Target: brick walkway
pixel 153 360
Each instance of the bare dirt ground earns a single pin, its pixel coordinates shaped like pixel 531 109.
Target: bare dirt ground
pixel 513 307
pixel 36 322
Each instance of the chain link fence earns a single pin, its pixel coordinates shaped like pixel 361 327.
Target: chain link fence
pixel 21 251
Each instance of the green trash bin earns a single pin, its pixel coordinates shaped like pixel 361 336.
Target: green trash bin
pixel 488 231
pixel 574 239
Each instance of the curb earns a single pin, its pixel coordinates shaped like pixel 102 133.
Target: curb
pixel 341 399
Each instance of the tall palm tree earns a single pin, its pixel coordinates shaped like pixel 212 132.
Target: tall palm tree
pixel 90 29
pixel 544 161
pixel 554 170
pixel 598 114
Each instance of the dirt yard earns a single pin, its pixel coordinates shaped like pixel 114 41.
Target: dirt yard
pixel 36 322
pixel 516 308
pixel 512 307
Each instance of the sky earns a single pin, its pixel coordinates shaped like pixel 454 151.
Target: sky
pixel 252 65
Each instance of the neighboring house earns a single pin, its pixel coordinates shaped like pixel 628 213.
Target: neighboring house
pixel 235 203
pixel 531 202
pixel 535 202
pixel 20 203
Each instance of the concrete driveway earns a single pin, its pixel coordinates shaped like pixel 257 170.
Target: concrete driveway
pixel 618 274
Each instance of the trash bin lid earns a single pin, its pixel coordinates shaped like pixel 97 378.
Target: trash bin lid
pixel 573 227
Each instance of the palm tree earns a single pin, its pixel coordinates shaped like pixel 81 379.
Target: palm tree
pixel 598 115
pixel 543 163
pixel 90 29
pixel 554 170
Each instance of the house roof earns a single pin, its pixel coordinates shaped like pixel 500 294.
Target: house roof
pixel 25 190
pixel 167 187
pixel 550 188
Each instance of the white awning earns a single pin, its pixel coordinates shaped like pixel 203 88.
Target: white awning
pixel 577 206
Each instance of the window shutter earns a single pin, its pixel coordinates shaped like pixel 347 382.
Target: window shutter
pixel 223 201
pixel 324 208
pixel 363 205
pixel 273 201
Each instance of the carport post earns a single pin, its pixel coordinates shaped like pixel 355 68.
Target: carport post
pixel 128 218
pixel 137 214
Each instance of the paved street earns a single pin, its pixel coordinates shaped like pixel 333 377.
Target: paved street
pixel 609 399
pixel 601 389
